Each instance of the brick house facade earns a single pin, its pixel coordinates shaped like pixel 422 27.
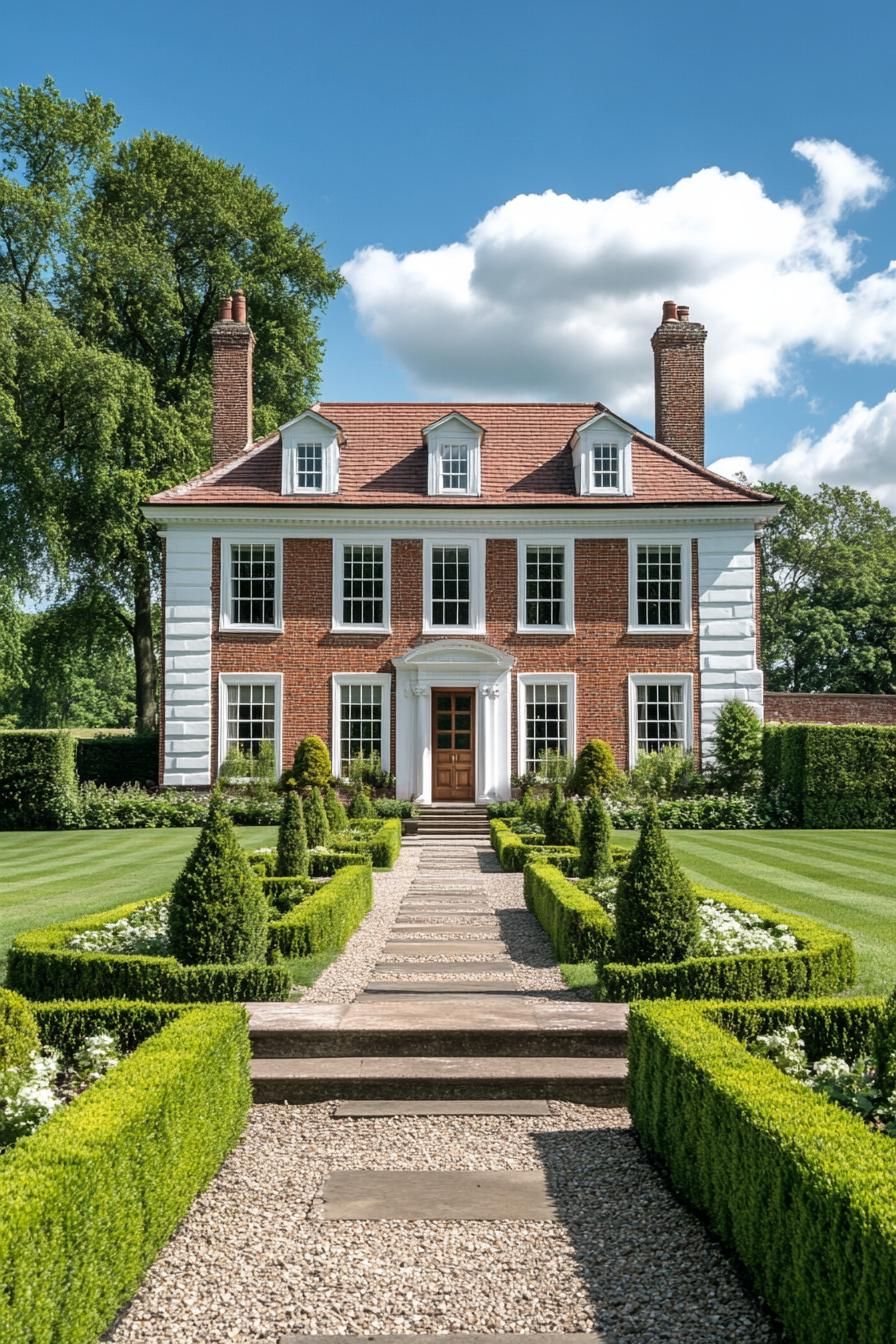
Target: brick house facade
pixel 457 587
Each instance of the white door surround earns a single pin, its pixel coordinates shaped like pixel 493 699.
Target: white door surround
pixel 462 663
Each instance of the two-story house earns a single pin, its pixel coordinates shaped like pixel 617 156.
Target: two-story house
pixel 457 587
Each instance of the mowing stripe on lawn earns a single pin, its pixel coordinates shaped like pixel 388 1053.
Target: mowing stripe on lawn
pixel 796 861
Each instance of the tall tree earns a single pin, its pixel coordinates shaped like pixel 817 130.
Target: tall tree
pixel 828 579
pixel 117 255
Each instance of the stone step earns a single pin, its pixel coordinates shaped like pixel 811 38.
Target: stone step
pixel 522 1338
pixel 399 1019
pixel 595 1082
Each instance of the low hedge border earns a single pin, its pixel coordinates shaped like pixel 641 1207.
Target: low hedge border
pixel 800 1189
pixel 89 1200
pixel 515 850
pixel 325 920
pixel 578 926
pixel 41 967
pixel 823 964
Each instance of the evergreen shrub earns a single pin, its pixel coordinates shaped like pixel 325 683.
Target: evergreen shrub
pixel 737 746
pixel 317 828
pixel 116 759
pixel 568 825
pixel 18 1030
pixel 360 806
pixel 830 776
pixel 292 842
pixel 578 926
pixel 38 784
pixel 218 912
pixel 326 919
pixel 552 811
pixel 311 767
pixel 337 816
pixel 596 839
pixel 596 770
pixel 656 907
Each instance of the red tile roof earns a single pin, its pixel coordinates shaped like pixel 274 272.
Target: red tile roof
pixel 526 461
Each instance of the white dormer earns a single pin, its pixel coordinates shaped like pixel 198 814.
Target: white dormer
pixel 454 446
pixel 310 450
pixel 602 456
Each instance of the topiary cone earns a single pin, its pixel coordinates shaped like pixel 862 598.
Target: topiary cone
pixel 218 910
pixel 292 842
pixel 594 842
pixel 656 906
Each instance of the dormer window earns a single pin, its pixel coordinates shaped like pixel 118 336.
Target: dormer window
pixel 602 457
pixel 310 456
pixel 453 444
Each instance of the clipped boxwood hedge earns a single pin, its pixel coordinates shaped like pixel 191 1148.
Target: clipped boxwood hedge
pixel 800 1189
pixel 822 964
pixel 515 850
pixel 38 786
pixel 89 1200
pixel 325 920
pixel 831 775
pixel 120 758
pixel 41 966
pixel 578 926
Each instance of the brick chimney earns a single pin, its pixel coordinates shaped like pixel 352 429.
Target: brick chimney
pixel 232 346
pixel 678 381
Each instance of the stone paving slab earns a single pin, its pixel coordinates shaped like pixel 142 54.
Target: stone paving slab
pixel 455 1010
pixel 437 1196
pixel 522 1338
pixel 438 987
pixel 445 949
pixel 440 968
pixel 479 928
pixel 348 1110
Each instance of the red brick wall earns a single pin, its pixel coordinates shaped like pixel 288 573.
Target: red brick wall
pixel 820 707
pixel 232 347
pixel 678 386
pixel 600 653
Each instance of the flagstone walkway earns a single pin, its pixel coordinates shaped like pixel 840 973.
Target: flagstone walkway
pixel 443 1181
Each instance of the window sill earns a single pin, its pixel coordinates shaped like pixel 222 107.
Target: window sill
pixel 660 630
pixel 545 630
pixel 360 629
pixel 250 629
pixel 452 629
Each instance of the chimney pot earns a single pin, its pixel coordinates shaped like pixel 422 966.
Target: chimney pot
pixel 684 313
pixel 232 345
pixel 239 306
pixel 225 309
pixel 670 310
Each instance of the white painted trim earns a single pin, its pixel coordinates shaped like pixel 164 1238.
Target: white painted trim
pixel 337 625
pixel 476 547
pixel 444 663
pixel 568 627
pixel 290 435
pixel 636 679
pixel 274 679
pixel 440 435
pixel 224 621
pixel 340 679
pixel 187 724
pixel 524 679
pixel 602 428
pixel 687 598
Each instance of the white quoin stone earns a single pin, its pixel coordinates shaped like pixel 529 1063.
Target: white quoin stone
pixel 729 668
pixel 188 658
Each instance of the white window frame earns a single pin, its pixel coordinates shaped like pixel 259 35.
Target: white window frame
pixel 636 679
pixel 569 549
pixel 601 429
pixel 476 547
pixel 340 679
pixel 225 585
pixel 275 679
pixel 453 431
pixel 310 428
pixel 338 625
pixel 523 681
pixel 687 597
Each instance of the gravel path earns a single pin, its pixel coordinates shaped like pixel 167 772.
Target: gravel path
pixel 254 1260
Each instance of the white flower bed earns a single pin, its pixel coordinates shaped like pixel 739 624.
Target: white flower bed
pixel 30 1094
pixel 852 1086
pixel 145 933
pixel 723 931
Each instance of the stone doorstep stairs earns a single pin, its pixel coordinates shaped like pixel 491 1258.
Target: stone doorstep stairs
pixel 446 821
pixel 442 1046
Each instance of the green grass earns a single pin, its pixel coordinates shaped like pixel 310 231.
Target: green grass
pixel 48 876
pixel 846 879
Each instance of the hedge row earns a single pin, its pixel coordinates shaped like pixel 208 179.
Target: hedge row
pixel 800 1189
pixel 515 850
pixel 126 758
pixel 38 785
pixel 831 776
pixel 578 926
pixel 823 963
pixel 41 966
pixel 89 1200
pixel 325 920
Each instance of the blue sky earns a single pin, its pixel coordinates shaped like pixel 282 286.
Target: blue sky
pixel 399 126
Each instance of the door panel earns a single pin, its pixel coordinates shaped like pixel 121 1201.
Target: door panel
pixel 453 738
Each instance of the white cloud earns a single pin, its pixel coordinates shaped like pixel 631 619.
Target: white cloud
pixel 859 449
pixel 552 297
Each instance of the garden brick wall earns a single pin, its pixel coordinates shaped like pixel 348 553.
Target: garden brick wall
pixel 821 707
pixel 601 653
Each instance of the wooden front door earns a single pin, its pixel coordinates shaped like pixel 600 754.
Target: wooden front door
pixel 453 759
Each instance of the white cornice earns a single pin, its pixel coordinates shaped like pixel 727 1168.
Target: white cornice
pixel 580 520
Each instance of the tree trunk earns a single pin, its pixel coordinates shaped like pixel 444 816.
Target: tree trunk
pixel 144 652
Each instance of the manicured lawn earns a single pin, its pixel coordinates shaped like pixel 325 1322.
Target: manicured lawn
pixel 47 876
pixel 844 878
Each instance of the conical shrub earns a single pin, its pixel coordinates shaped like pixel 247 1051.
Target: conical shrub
pixel 311 765
pixel 568 824
pixel 317 828
pixel 292 842
pixel 360 805
pixel 218 910
pixel 552 815
pixel 336 813
pixel 594 842
pixel 656 906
